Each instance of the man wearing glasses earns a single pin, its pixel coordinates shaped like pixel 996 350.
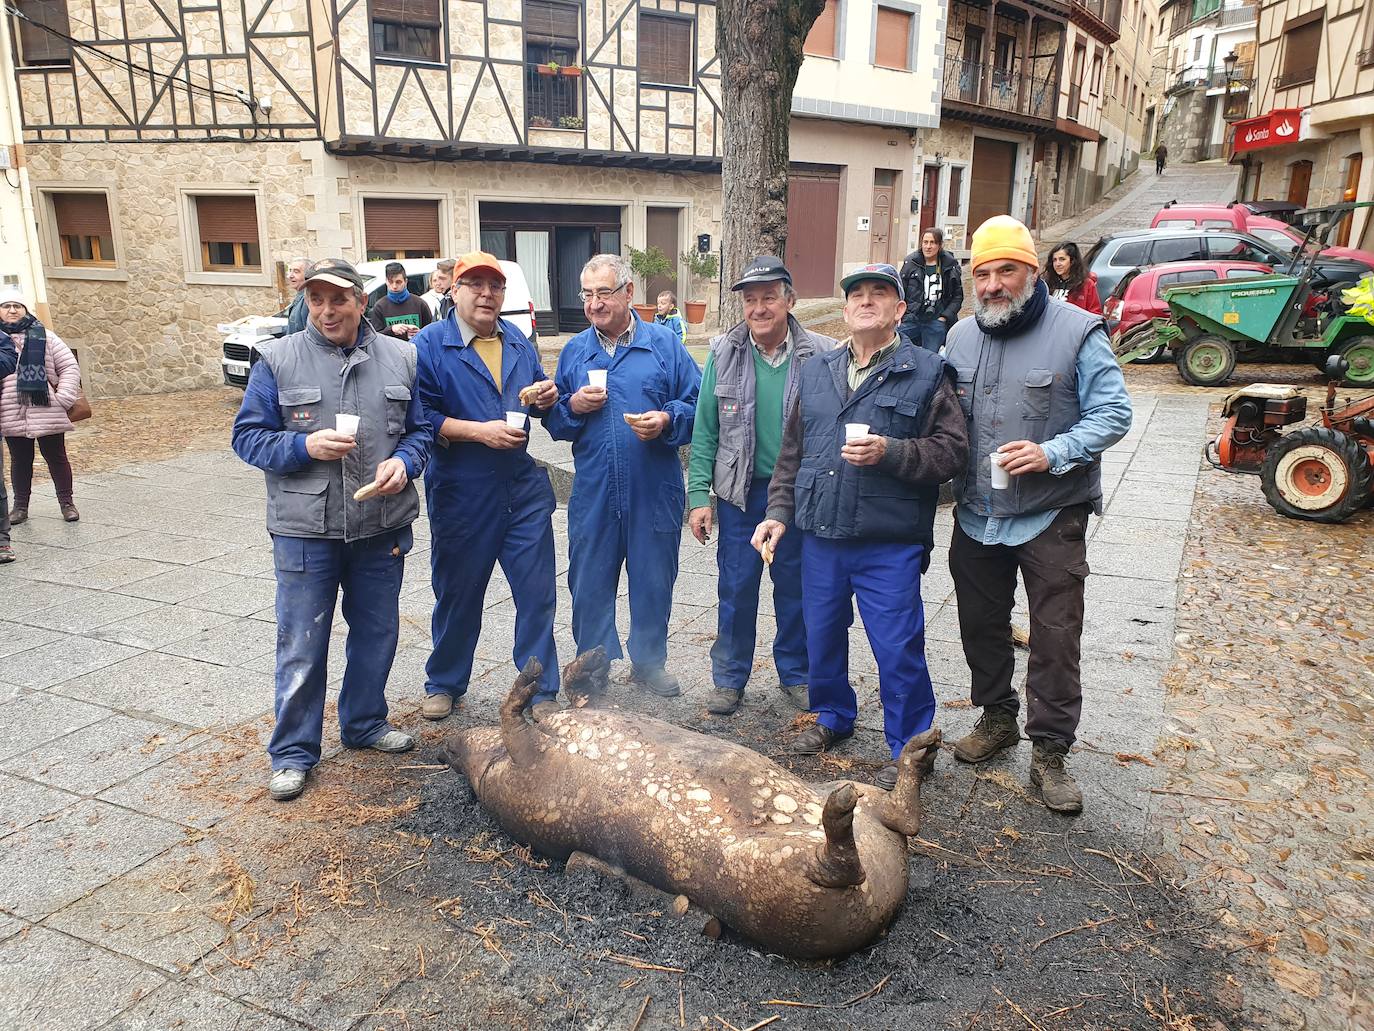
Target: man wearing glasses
pixel 628 496
pixel 488 501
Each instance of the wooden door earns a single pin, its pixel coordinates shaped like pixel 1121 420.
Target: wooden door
pixel 1300 182
pixel 930 196
pixel 880 224
pixel 1352 189
pixel 813 216
pixel 990 185
pixel 661 230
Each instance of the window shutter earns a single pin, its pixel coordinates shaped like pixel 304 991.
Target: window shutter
pixel 402 224
pixel 81 214
pixel 894 36
pixel 37 45
pixel 547 21
pixel 821 39
pixel 665 50
pixel 225 219
pixel 407 12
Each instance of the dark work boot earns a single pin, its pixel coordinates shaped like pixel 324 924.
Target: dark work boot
pixel 656 681
pixel 723 701
pixel 995 730
pixel 19 514
pixel 1051 775
pixel 816 739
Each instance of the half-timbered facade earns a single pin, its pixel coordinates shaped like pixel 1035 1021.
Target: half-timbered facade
pixel 1310 135
pixel 181 152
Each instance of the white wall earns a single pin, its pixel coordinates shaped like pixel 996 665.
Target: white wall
pixel 20 263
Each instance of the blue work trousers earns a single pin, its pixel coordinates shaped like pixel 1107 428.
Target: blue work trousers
pixel 885 577
pixel 310 573
pixel 927 333
pixel 472 529
pixel 740 570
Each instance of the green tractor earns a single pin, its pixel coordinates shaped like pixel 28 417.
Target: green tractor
pixel 1211 324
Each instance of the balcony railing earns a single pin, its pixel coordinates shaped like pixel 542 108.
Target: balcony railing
pixel 1187 15
pixel 552 101
pixel 974 82
pixel 1295 78
pixel 1366 57
pixel 1106 11
pixel 1198 78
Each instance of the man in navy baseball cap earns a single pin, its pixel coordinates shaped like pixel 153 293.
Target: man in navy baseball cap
pixel 880 272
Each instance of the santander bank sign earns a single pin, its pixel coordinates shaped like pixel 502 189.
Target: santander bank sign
pixel 1277 127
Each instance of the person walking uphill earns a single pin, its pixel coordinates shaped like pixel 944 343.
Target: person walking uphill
pixel 488 501
pixel 323 538
pixel 42 383
pixel 627 498
pixel 933 287
pixel 864 503
pixel 747 390
pixel 1041 388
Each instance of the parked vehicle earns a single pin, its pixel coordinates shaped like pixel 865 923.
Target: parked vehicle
pixel 1113 256
pixel 1256 218
pixel 240 339
pixel 1211 324
pixel 1139 297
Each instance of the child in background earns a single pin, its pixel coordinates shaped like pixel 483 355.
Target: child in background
pixel 669 316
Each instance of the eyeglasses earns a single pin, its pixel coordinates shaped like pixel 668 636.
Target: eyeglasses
pixel 477 286
pixel 601 295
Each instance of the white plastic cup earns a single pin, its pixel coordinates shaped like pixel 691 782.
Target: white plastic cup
pixel 1001 479
pixel 855 430
pixel 347 424
pixel 515 420
pixel 596 378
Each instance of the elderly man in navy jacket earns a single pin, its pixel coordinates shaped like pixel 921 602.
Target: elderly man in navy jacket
pixel 876 430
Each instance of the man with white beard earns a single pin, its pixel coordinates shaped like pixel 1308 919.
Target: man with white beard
pixel 1044 398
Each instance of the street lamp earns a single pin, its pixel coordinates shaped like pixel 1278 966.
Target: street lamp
pixel 1228 113
pixel 1230 61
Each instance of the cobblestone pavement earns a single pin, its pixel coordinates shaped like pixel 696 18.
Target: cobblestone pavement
pixel 145 864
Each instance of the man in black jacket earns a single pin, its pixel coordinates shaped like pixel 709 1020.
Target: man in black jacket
pixel 933 285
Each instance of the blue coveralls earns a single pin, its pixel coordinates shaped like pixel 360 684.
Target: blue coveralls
pixel 310 573
pixel 486 505
pixel 628 496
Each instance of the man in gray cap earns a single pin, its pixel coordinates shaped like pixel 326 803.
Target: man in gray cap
pixel 747 390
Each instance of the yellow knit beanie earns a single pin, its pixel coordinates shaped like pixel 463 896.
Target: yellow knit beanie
pixel 1003 237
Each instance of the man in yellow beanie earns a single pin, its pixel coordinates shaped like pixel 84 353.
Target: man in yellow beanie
pixel 1044 398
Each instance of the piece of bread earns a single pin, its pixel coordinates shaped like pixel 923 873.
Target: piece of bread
pixel 632 418
pixel 528 395
pixel 368 490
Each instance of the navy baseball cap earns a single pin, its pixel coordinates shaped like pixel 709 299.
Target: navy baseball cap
pixel 766 268
pixel 880 272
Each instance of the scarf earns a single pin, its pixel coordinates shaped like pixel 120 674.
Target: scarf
pixel 1025 318
pixel 399 298
pixel 31 377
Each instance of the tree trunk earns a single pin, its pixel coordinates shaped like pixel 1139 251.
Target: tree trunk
pixel 759 43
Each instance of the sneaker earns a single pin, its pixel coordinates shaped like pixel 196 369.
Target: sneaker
pixel 995 730
pixel 656 681
pixel 393 741
pixel 286 784
pixel 436 706
pixel 723 701
pixel 69 513
pixel 1050 773
pixel 19 515
pixel 6 553
pixel 816 739
pixel 798 694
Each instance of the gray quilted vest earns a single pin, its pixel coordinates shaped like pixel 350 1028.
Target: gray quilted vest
pixel 1023 387
pixel 315 382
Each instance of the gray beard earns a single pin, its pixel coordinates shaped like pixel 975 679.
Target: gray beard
pixel 993 316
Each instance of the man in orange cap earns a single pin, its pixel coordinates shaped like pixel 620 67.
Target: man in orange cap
pixel 1044 398
pixel 488 501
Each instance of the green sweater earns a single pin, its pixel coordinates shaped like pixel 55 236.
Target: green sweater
pixel 769 384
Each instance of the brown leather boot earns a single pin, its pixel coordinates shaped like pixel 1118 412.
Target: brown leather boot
pixel 1050 773
pixel 995 730
pixel 69 512
pixel 19 514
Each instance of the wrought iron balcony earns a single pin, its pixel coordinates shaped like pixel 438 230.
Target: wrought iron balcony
pixel 1000 89
pixel 1297 77
pixel 552 100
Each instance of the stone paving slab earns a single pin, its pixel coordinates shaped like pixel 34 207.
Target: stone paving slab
pixel 191 1007
pixel 89 760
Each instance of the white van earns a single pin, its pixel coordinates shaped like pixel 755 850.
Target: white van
pixel 240 339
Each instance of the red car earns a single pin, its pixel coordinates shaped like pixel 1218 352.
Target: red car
pixel 1139 297
pixel 1276 233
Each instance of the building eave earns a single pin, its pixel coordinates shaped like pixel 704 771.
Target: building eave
pixel 452 150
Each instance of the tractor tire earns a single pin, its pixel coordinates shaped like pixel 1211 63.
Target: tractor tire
pixel 1136 336
pixel 1316 474
pixel 1359 352
pixel 1206 361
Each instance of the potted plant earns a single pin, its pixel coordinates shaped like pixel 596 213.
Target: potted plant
pixel 570 122
pixel 702 268
pixel 540 122
pixel 650 263
pixel 571 70
pixel 548 69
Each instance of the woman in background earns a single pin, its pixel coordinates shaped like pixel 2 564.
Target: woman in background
pixel 1069 281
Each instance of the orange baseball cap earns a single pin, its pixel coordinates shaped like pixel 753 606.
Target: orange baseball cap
pixel 474 260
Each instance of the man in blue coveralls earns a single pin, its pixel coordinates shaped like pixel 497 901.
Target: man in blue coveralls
pixel 876 430
pixel 628 497
pixel 488 501
pixel 323 539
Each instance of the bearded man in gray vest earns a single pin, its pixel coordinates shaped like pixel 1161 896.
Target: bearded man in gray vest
pixel 1044 397
pixel 327 412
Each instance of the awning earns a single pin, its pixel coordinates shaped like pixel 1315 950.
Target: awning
pixel 1278 127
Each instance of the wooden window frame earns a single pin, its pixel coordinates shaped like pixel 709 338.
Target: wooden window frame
pixel 646 78
pixel 444 200
pixel 1289 77
pixel 437 56
pixel 32 30
pixel 198 269
pixel 56 251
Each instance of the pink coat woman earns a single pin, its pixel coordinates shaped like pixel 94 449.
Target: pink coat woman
pixel 25 420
